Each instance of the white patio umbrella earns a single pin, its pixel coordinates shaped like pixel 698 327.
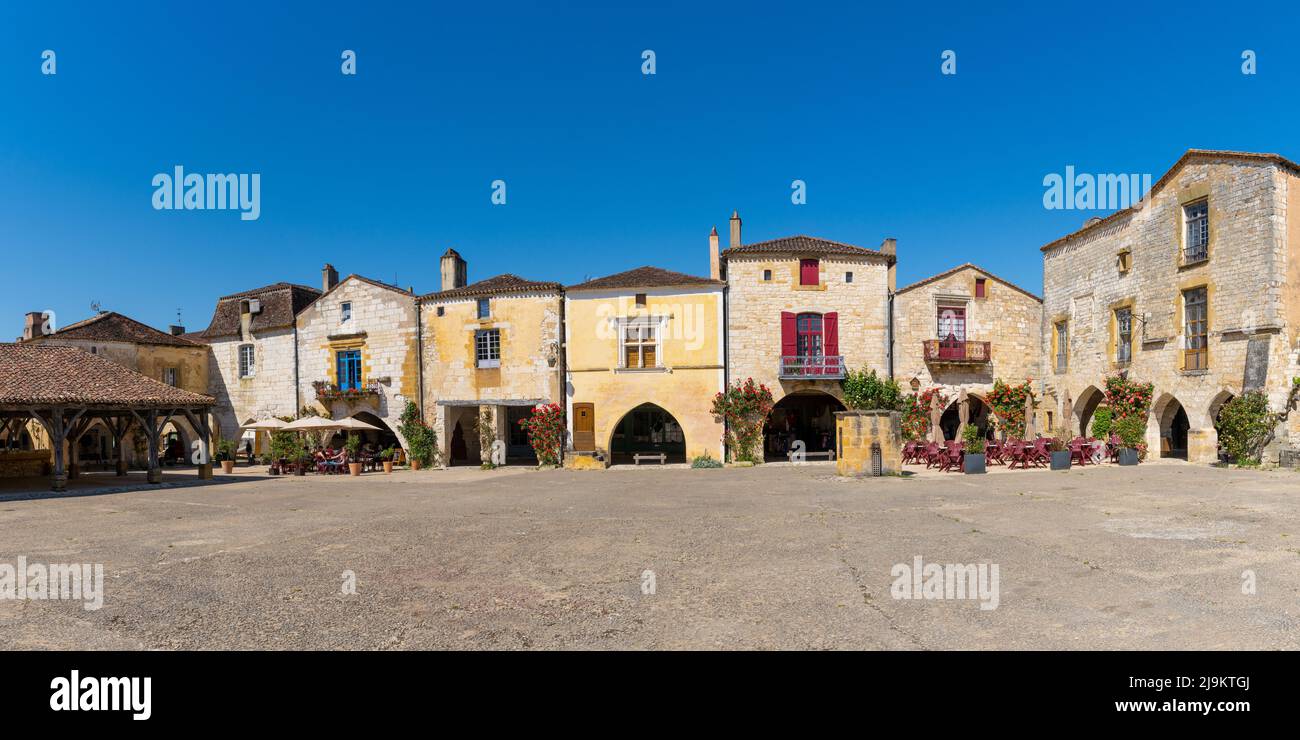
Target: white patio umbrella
pixel 936 414
pixel 352 424
pixel 1029 417
pixel 963 413
pixel 265 424
pixel 312 424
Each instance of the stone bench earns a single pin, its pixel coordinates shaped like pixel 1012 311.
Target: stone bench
pixel 659 457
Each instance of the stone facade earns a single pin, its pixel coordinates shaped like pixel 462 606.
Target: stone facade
pixel 861 434
pixel 685 373
pixel 381 324
pixel 1139 261
pixel 983 308
pixel 469 402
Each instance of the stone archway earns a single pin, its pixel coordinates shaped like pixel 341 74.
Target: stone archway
pixel 647 428
pixel 980 415
pixel 807 416
pixel 1085 406
pixel 1173 424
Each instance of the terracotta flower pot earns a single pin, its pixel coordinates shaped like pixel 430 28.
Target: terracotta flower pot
pixel 388 467
pixel 354 468
pixel 227 466
pixel 415 464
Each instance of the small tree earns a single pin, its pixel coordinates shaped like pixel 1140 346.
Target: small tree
pixel 744 408
pixel 1245 425
pixel 972 440
pixel 546 432
pixel 421 439
pixel 1132 430
pixel 1101 423
pixel 866 391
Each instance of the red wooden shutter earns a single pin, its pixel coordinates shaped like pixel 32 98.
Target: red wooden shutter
pixel 789 335
pixel 808 274
pixel 831 334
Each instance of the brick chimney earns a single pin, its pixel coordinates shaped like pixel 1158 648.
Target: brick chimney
pixel 33 321
pixel 176 330
pixel 454 270
pixel 715 262
pixel 329 277
pixel 735 229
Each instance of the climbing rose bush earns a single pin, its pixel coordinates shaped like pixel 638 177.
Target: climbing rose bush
pixel 546 432
pixel 1008 403
pixel 744 407
pixel 916 413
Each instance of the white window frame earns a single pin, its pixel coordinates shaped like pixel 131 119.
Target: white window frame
pixel 1201 244
pixel 172 376
pixel 345 310
pixel 655 325
pixel 487 362
pixel 247 369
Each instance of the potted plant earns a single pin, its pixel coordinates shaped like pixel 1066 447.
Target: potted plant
pixel 1131 430
pixel 226 455
pixel 387 456
pixel 973 442
pixel 421 439
pixel 1060 452
pixel 353 446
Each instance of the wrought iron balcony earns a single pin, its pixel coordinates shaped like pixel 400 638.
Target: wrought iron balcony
pixel 956 351
pixel 814 367
pixel 327 391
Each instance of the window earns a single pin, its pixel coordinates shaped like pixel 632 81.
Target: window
pixel 348 363
pixel 346 309
pixel 981 289
pixel 808 339
pixel 171 376
pixel 1197 246
pixel 1124 335
pixel 484 308
pixel 640 300
pixel 442 310
pixel 1062 346
pixel 848 277
pixel 808 272
pixel 247 361
pixel 487 347
pixel 952 323
pixel 1196 329
pixel 640 345
pixel 767 276
pixel 1124 260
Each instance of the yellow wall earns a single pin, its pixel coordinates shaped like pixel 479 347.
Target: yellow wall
pixel 690 359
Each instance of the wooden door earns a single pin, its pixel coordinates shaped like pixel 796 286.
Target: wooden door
pixel 584 427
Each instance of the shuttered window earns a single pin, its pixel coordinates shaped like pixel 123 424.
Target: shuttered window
pixel 808 272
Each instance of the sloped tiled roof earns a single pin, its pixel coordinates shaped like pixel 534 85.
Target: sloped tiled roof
pixel 494 286
pixel 369 281
pixel 1189 156
pixel 802 245
pixel 644 277
pixel 111 326
pixel 967 266
pixel 281 302
pixel 37 374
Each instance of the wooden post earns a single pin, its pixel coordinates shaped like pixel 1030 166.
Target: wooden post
pixel 120 427
pixel 60 481
pixel 199 421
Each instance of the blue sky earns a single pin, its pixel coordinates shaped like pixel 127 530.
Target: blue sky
pixel 606 168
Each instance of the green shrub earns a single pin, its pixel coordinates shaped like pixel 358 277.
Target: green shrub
pixel 421 439
pixel 1244 423
pixel 973 440
pixel 705 461
pixel 744 407
pixel 866 391
pixel 225 450
pixel 1132 430
pixel 1101 423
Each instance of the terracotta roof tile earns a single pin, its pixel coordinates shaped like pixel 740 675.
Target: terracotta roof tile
pixel 494 286
pixel 281 302
pixel 802 245
pixel 644 277
pixel 38 374
pixel 966 266
pixel 114 327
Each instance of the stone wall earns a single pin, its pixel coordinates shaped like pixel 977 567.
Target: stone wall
pixel 755 306
pixel 383 326
pixel 1245 279
pixel 269 392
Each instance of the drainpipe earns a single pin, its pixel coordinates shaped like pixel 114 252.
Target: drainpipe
pixel 726 356
pixel 562 351
pixel 297 391
pixel 419 356
pixel 889 334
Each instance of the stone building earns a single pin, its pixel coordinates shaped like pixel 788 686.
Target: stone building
pixel 644 359
pixel 490 353
pixel 253 364
pixel 168 357
pixel 800 310
pixel 358 353
pixel 962 329
pixel 1194 289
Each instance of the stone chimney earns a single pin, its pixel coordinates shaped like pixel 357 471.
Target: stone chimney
pixel 735 229
pixel 890 247
pixel 329 277
pixel 715 262
pixel 453 270
pixel 33 321
pixel 176 330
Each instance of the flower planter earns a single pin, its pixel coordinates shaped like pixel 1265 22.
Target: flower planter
pixel 354 468
pixel 227 466
pixel 388 467
pixel 300 468
pixel 1061 460
pixel 973 464
pixel 415 464
pixel 1128 456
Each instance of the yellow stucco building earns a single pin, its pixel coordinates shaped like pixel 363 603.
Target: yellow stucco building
pixel 644 351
